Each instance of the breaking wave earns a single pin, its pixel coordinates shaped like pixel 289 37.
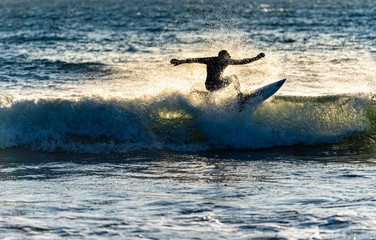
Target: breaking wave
pixel 182 122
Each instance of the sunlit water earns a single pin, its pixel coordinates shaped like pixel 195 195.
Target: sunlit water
pixel 283 194
pixel 100 137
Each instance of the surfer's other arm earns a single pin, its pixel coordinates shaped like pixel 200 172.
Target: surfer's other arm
pixel 246 60
pixel 176 62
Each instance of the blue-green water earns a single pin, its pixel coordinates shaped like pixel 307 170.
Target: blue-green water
pixel 102 138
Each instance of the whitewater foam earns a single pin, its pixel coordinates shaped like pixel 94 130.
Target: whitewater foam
pixel 177 121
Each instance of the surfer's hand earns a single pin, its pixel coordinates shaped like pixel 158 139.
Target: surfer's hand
pixel 261 55
pixel 175 62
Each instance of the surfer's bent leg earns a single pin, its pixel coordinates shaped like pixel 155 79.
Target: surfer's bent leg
pixel 217 85
pixel 233 79
pixel 225 82
pixel 236 82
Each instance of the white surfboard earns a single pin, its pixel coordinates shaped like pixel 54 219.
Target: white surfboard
pixel 260 94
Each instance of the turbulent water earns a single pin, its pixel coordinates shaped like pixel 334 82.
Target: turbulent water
pixel 101 134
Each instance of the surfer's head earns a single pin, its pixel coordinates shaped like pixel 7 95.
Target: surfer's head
pixel 224 54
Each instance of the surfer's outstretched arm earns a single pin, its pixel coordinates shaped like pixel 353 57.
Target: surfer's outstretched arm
pixel 189 60
pixel 246 60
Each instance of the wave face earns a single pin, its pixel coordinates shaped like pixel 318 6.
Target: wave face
pixel 183 122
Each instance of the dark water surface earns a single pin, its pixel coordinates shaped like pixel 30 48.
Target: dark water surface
pixel 285 193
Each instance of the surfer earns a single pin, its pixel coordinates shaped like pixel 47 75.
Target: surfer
pixel 215 67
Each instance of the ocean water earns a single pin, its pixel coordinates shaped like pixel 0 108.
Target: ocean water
pixel 102 138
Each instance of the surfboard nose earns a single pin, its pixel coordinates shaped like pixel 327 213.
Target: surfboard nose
pixel 280 83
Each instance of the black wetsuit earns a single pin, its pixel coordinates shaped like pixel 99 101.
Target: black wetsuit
pixel 214 79
pixel 215 67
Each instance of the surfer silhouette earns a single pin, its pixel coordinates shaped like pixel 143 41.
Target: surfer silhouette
pixel 215 67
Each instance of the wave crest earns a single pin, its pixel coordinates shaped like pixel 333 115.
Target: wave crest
pixel 177 121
